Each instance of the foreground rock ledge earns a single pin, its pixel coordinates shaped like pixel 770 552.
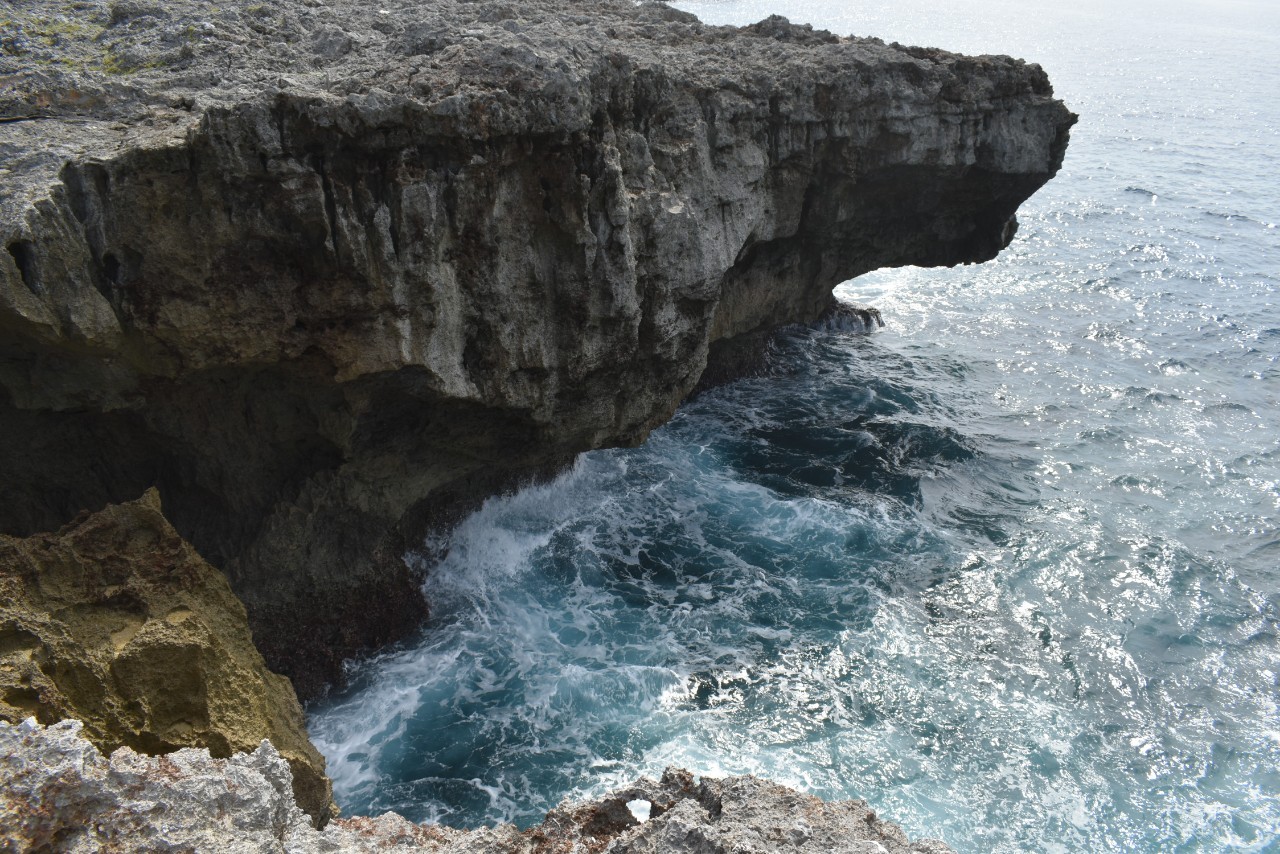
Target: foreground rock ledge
pixel 57 790
pixel 328 272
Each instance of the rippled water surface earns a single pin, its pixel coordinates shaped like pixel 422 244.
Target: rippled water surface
pixel 1009 569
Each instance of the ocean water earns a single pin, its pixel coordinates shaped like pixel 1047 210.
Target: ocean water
pixel 1008 569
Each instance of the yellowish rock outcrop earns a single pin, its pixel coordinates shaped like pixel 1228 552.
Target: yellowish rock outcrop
pixel 117 621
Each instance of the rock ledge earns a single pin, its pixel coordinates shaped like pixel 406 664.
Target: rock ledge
pixel 57 791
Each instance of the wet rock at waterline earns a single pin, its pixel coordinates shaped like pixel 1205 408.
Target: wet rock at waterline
pixel 329 274
pixel 55 786
pixel 117 622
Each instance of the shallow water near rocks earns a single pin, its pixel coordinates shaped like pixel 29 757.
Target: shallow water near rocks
pixel 1009 569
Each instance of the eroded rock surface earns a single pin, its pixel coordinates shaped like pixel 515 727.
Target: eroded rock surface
pixel 56 789
pixel 329 272
pixel 117 622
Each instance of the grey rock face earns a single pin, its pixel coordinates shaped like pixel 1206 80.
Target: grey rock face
pixel 57 790
pixel 328 273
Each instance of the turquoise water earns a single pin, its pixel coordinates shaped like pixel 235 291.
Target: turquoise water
pixel 1009 569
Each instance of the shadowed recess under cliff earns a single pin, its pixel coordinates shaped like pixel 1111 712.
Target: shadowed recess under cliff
pixel 329 279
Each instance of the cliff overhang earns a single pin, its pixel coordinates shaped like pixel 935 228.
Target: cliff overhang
pixel 327 278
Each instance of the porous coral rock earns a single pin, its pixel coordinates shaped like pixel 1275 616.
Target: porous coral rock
pixel 57 790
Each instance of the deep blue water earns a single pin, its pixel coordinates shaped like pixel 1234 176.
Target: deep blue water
pixel 1009 569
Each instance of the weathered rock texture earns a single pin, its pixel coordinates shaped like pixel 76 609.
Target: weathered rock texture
pixel 325 271
pixel 117 622
pixel 57 790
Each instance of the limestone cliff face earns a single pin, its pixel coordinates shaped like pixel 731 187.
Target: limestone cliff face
pixel 116 622
pixel 325 275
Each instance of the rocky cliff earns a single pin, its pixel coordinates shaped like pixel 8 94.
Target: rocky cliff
pixel 327 272
pixel 115 621
pixel 59 793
